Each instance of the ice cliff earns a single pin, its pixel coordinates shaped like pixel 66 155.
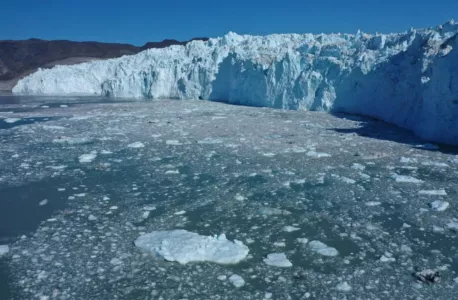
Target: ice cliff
pixel 409 79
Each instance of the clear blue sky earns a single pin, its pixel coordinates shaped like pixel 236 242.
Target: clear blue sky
pixel 138 21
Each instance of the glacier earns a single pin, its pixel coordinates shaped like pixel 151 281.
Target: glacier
pixel 409 79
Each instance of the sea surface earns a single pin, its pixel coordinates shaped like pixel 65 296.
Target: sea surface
pixel 77 175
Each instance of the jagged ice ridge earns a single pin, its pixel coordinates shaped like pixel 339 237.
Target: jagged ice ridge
pixel 409 79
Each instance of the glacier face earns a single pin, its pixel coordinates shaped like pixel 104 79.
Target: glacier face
pixel 409 79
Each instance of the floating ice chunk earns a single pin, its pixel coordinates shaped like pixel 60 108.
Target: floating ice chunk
pixel 53 127
pixel 149 208
pixel 298 150
pixel 302 240
pixel 357 166
pixel 106 152
pixel 11 120
pixel 373 203
pixel 440 192
pixel 4 249
pixel 58 168
pixel 145 215
pixel 184 247
pixel 406 249
pixel 405 179
pixel 408 160
pixel 116 262
pixel 315 154
pixel 268 154
pixel 209 141
pixel 279 244
pixel 344 287
pixel 323 249
pixel 43 202
pixel 179 213
pixel 290 228
pixel 453 225
pixel 92 218
pixel 171 172
pixel 387 257
pixel 221 277
pixel 63 105
pixel 136 145
pixel 79 118
pixel 71 141
pixel 173 142
pixel 87 158
pixel 347 180
pixel 239 197
pixel 237 280
pixel 268 211
pixel 278 260
pixel 435 164
pixel 113 208
pixel 439 205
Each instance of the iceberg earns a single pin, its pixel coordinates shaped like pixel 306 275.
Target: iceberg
pixel 183 247
pixel 409 79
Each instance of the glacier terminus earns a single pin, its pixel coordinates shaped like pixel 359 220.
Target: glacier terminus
pixel 409 79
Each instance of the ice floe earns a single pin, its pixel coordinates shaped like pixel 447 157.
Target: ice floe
pixel 439 205
pixel 237 280
pixel 136 145
pixel 278 260
pixel 87 158
pixel 4 249
pixel 322 249
pixel 184 247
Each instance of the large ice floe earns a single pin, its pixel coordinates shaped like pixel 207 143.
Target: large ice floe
pixel 409 79
pixel 184 247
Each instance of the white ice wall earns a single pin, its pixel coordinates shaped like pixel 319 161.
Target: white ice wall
pixel 409 79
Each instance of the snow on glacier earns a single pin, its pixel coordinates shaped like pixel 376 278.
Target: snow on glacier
pixel 184 247
pixel 409 79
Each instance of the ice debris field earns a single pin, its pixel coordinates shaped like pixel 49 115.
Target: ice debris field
pixel 202 200
pixel 409 79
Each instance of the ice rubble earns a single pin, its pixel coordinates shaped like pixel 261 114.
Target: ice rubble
pixel 184 247
pixel 409 79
